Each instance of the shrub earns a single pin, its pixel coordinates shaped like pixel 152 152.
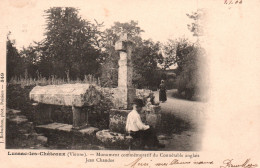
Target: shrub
pixel 192 79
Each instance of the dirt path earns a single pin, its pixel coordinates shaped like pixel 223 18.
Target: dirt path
pixel 189 111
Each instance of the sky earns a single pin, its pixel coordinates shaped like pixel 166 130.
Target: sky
pixel 161 20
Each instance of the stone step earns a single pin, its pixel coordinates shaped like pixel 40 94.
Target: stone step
pixel 52 126
pixel 19 119
pixel 67 128
pixel 12 111
pixel 55 132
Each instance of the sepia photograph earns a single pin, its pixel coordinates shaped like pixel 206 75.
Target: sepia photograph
pixel 81 81
pixel 119 83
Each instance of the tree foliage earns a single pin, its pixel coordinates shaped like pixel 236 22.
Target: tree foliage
pixel 71 43
pixel 189 58
pixel 175 52
pixel 71 47
pixel 14 61
pixel 196 27
pixel 131 28
pixel 192 79
pixel 145 56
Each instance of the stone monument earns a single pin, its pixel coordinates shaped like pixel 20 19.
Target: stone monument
pixel 79 96
pixel 125 92
pixel 125 89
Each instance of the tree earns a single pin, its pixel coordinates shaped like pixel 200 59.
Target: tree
pixel 175 52
pixel 131 28
pixel 189 58
pixel 192 79
pixel 184 54
pixel 145 57
pixel 32 57
pixel 196 27
pixel 71 47
pixel 14 61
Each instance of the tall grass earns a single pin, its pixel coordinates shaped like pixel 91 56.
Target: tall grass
pixel 52 80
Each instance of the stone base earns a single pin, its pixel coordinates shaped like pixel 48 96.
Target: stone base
pixel 153 115
pixel 153 120
pixel 154 109
pixel 116 140
pixel 117 120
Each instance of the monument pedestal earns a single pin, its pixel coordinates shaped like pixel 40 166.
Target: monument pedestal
pixel 126 93
pixel 153 115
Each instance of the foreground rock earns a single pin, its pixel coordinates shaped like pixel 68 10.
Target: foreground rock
pixel 117 120
pixel 21 133
pixel 117 140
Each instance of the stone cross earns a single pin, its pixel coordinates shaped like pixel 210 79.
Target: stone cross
pixel 125 71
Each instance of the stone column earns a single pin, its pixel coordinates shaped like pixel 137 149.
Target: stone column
pixel 126 91
pixel 42 113
pixel 80 120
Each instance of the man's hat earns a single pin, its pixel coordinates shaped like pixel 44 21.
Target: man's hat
pixel 138 102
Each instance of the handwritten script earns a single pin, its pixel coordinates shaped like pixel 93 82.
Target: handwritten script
pixel 230 2
pixel 140 163
pixel 230 163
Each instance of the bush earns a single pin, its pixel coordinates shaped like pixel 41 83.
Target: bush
pixel 192 80
pixel 171 84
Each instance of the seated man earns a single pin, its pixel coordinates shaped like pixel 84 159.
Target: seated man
pixel 137 129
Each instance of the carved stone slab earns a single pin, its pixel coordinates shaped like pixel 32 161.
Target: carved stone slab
pixel 78 95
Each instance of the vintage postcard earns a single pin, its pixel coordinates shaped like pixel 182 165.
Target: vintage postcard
pixel 119 83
